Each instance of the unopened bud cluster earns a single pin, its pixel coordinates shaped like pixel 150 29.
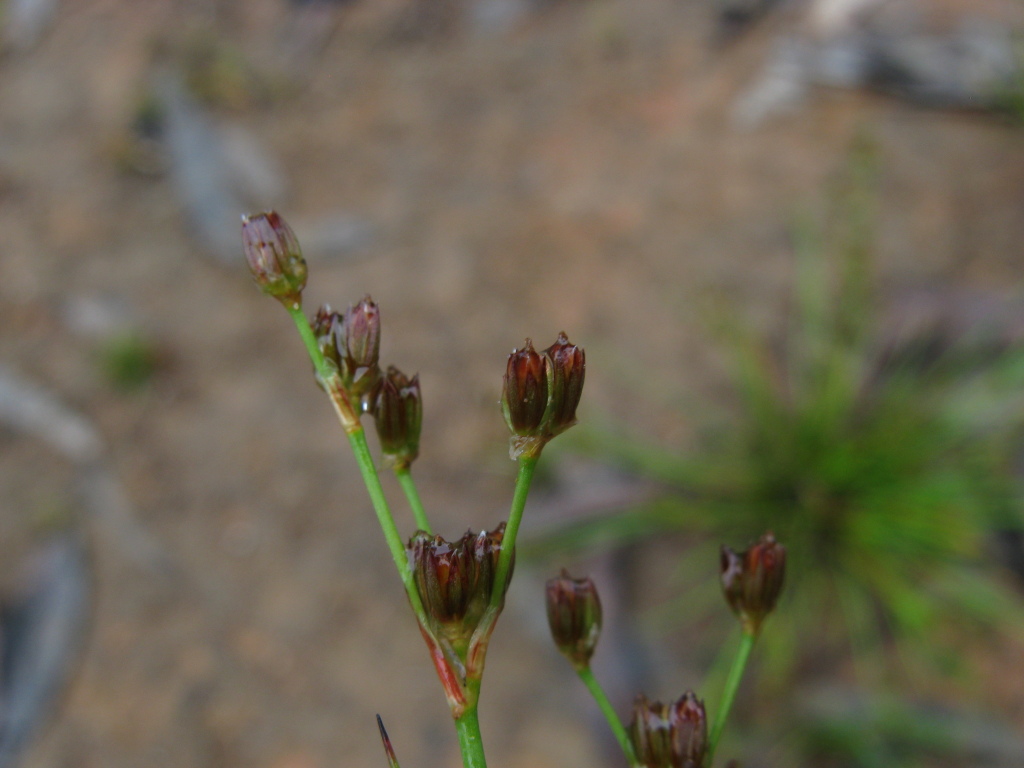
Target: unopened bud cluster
pixel 456 588
pixel 348 342
pixel 661 736
pixel 670 735
pixel 541 393
pixel 456 580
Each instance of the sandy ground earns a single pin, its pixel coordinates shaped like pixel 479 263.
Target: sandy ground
pixel 577 170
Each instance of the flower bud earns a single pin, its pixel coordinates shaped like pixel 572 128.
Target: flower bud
pixel 361 347
pixel 670 736
pixel 568 365
pixel 327 325
pixel 274 257
pixel 524 397
pixel 752 580
pixel 574 615
pixel 398 414
pixel 362 333
pixel 455 580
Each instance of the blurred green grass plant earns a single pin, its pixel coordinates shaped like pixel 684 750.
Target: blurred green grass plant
pixel 886 467
pixel 128 361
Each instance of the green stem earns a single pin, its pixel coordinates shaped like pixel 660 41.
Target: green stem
pixel 587 676
pixel 404 475
pixel 470 743
pixel 527 465
pixel 732 684
pixel 323 369
pixel 357 438
pixel 467 725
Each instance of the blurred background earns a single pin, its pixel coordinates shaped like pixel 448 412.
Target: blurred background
pixel 788 234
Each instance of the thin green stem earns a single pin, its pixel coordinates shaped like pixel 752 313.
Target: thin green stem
pixel 470 742
pixel 467 724
pixel 732 684
pixel 479 641
pixel 587 676
pixel 404 475
pixel 323 369
pixel 357 438
pixel 527 465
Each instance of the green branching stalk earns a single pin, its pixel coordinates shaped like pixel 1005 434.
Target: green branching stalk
pixel 404 477
pixel 527 465
pixel 357 439
pixel 618 729
pixel 540 396
pixel 324 370
pixel 349 419
pixel 732 685
pixel 466 722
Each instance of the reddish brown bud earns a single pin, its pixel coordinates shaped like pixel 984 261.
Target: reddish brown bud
pixel 524 398
pixel 752 580
pixel 361 347
pixel 541 393
pixel 670 736
pixel 574 615
pixel 398 414
pixel 455 580
pixel 568 365
pixel 274 257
